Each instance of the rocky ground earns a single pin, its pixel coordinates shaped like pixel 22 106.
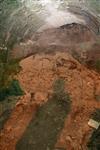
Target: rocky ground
pixel 70 38
pixel 37 77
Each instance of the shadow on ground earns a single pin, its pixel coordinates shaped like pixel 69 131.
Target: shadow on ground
pixel 43 131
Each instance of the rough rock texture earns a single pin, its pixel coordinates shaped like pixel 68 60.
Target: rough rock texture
pixel 37 77
pixel 76 39
pixel 64 38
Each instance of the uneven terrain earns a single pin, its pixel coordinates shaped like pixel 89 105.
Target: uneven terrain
pixel 37 78
pixel 72 38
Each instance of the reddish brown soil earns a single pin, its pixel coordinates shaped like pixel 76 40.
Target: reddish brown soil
pixel 16 125
pixel 36 78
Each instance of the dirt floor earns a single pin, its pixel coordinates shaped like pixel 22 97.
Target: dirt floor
pixel 43 130
pixel 37 78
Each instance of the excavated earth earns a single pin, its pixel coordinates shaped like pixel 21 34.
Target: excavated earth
pixel 37 77
pixel 60 53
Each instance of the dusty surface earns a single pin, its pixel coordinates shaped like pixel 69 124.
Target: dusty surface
pixel 43 130
pixel 16 125
pixel 37 77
